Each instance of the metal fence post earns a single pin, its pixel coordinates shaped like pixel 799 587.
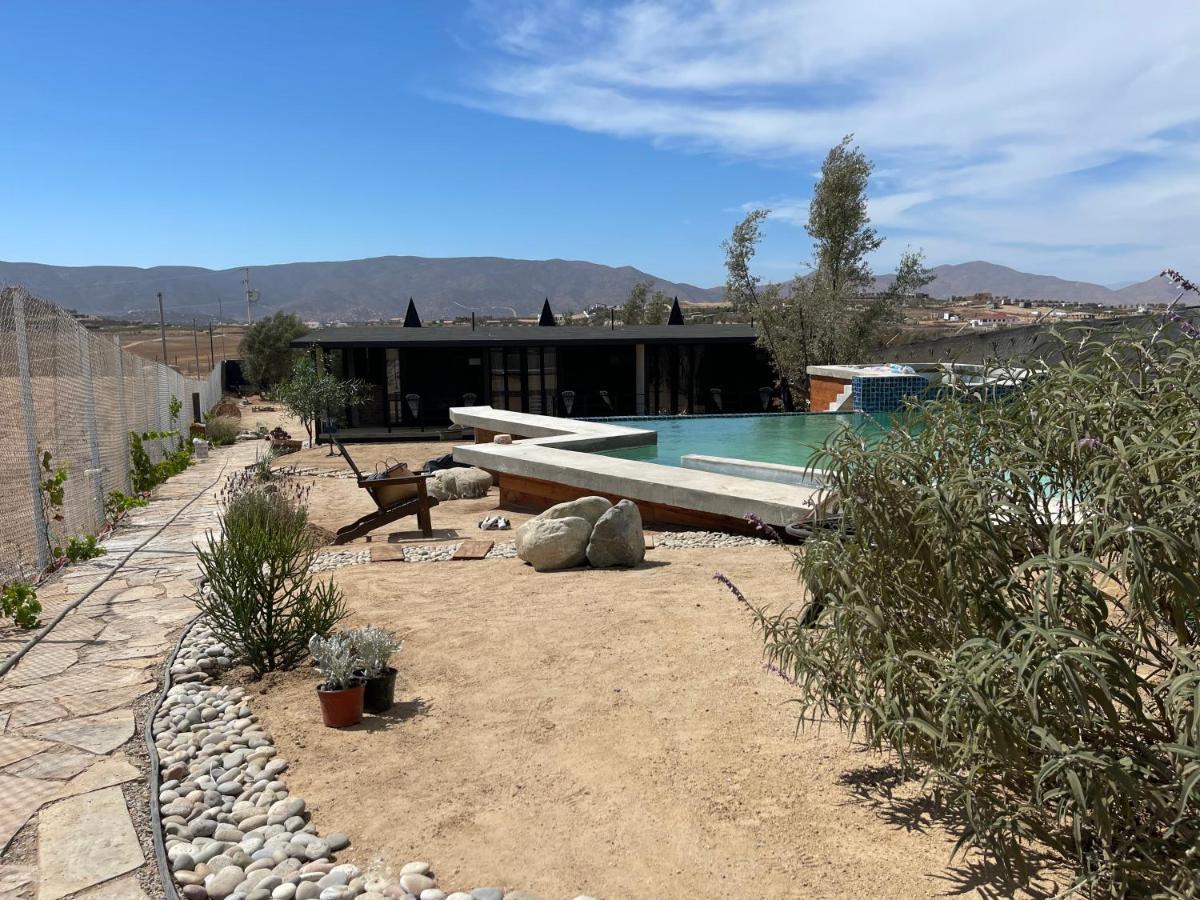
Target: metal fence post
pixel 124 414
pixel 96 472
pixel 35 484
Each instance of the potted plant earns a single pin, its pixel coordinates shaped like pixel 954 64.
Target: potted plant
pixel 374 648
pixel 341 692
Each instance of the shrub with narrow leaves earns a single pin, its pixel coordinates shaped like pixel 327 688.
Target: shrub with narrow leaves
pixel 261 597
pixel 1015 611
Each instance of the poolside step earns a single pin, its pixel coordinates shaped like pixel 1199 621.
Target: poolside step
pixel 839 402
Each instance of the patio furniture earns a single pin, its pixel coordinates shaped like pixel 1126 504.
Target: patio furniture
pixel 396 495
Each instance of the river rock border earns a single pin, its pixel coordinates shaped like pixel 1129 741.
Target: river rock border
pixel 231 828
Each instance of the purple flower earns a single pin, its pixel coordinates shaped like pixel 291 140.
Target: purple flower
pixel 763 528
pixel 733 588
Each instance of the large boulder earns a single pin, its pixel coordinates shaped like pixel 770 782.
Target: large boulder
pixel 617 538
pixel 549 544
pixel 590 508
pixel 459 484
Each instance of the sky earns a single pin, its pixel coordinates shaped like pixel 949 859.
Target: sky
pixel 1054 137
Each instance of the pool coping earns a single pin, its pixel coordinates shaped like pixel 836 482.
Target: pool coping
pixel 564 452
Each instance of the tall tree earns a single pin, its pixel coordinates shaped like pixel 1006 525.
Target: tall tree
pixel 656 309
pixel 634 310
pixel 266 348
pixel 829 314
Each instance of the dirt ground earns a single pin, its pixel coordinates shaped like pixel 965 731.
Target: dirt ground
pixel 181 347
pixel 604 732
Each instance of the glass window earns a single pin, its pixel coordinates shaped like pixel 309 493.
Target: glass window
pixel 533 365
pixel 496 358
pixel 512 374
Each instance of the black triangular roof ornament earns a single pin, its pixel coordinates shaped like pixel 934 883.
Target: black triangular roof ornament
pixel 547 316
pixel 676 317
pixel 411 319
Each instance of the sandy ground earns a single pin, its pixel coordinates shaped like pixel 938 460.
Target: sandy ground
pixel 191 356
pixel 603 732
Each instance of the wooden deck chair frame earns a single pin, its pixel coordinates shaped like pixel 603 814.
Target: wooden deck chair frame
pixel 383 492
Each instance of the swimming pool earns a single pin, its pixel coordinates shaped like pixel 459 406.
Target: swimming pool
pixel 787 439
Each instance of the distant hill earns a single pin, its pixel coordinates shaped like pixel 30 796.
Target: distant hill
pixel 352 290
pixel 360 289
pixel 969 278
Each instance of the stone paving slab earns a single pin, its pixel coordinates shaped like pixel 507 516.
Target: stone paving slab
pixel 66 708
pixel 85 841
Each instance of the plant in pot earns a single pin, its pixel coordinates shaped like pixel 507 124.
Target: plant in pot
pixel 374 648
pixel 341 692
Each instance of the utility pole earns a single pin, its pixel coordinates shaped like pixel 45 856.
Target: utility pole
pixel 195 346
pixel 162 327
pixel 251 295
pixel 212 356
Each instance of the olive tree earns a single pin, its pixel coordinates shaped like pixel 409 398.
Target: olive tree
pixel 310 393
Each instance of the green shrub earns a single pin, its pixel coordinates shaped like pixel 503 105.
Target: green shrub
pixel 146 474
pixel 118 503
pixel 86 547
pixel 261 597
pixel 222 430
pixel 19 602
pixel 1014 612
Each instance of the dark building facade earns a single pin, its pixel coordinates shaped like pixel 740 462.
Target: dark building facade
pixel 415 374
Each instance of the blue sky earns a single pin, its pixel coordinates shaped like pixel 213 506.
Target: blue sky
pixel 1059 138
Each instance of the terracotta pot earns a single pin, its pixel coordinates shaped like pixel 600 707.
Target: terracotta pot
pixel 341 709
pixel 380 692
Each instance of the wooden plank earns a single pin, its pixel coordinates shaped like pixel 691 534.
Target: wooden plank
pixel 473 549
pixel 387 553
pixel 522 492
pixel 649 541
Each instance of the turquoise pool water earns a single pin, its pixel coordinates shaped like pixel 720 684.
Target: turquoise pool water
pixel 787 439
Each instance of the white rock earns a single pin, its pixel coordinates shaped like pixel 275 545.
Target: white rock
pixel 617 539
pixel 549 544
pixel 590 508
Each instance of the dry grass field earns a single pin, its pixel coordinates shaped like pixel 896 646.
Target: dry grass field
pixel 144 341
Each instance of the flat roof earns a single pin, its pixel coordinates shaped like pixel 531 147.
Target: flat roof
pixel 522 335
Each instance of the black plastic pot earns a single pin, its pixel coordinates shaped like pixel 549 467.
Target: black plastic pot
pixel 381 692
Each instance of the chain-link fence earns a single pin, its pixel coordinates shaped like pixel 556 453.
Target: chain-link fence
pixel 77 396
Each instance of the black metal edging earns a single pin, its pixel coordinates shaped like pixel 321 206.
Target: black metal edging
pixel 156 829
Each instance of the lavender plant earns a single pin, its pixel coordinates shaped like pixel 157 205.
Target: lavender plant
pixel 1012 606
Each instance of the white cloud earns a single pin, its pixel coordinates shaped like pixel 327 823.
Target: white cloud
pixel 994 126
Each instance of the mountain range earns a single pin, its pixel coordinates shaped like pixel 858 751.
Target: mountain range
pixel 361 289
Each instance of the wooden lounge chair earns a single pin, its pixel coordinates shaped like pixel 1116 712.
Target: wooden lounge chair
pixel 395 496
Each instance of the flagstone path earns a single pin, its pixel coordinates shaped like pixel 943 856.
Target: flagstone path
pixel 67 709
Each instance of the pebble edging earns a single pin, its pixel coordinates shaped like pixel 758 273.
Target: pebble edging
pixel 232 829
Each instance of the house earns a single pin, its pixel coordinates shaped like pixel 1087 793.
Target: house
pixel 414 375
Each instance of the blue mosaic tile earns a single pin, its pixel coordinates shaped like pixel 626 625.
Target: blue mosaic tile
pixel 878 395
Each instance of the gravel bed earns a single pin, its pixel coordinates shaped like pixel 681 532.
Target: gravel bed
pixel 327 562
pixel 443 552
pixel 232 829
pixel 682 540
